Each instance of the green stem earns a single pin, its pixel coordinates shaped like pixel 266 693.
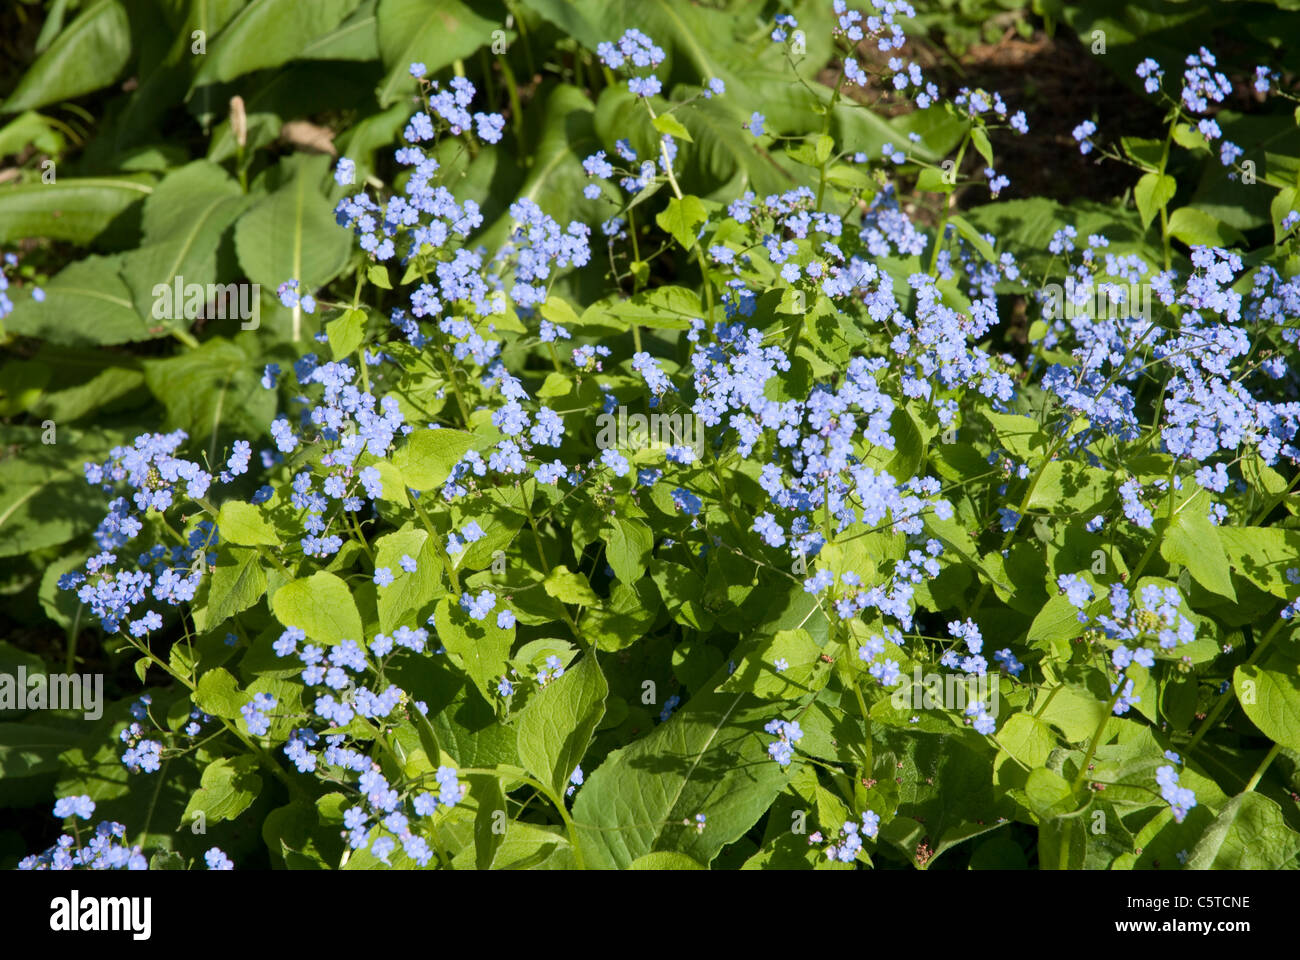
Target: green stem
pixel 1096 737
pixel 947 205
pixel 1263 767
pixel 1224 700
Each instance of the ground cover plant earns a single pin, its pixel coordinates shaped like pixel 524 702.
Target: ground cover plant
pixel 525 435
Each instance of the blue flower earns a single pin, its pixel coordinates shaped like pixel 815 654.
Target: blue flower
pixel 217 860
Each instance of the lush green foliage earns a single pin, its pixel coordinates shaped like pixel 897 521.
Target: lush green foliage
pixel 647 482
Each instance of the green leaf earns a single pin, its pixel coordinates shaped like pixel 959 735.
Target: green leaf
pixel 322 606
pixel 432 32
pixel 1049 794
pixel 1152 192
pixel 568 586
pixel 663 308
pixel 1270 696
pixel 491 807
pixel 628 548
pixel 1250 833
pixel 184 223
pixel 88 55
pixel 980 141
pixel 974 237
pixel 27 750
pixel 242 524
pixel 378 275
pixel 291 234
pixel 42 488
pixel 238 582
pixel 1262 555
pixel 76 209
pixel 805 672
pixel 683 218
pixel 409 592
pixel 217 693
pixel 1028 739
pixel 228 788
pixel 92 291
pixel 346 333
pixel 213 391
pixel 667 123
pixel 556 727
pixel 268 33
pixel 710 758
pixel 480 646
pixel 428 456
pixel 1194 542
pixel 1194 226
pixel 1022 436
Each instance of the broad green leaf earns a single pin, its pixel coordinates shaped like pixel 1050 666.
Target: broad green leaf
pixel 353 39
pixel 291 234
pixel 1250 833
pixel 346 333
pixel 410 591
pixel 76 209
pixel 89 54
pixel 243 524
pixel 1194 542
pixel 1021 436
pixel 428 456
pixel 1027 738
pixel 1049 794
pixel 759 671
pixel 213 393
pixel 432 32
pixel 569 586
pixel 268 33
pixel 1270 696
pixel 628 548
pixel 480 646
pixel 1194 226
pixel 184 223
pixel 667 123
pixel 27 750
pixel 556 727
pixel 976 239
pixel 218 694
pixel 1262 555
pixel 710 757
pixel 229 787
pixel 683 218
pixel 1152 192
pixel 238 582
pixel 490 825
pixel 322 606
pixel 86 304
pixel 665 308
pixel 43 499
